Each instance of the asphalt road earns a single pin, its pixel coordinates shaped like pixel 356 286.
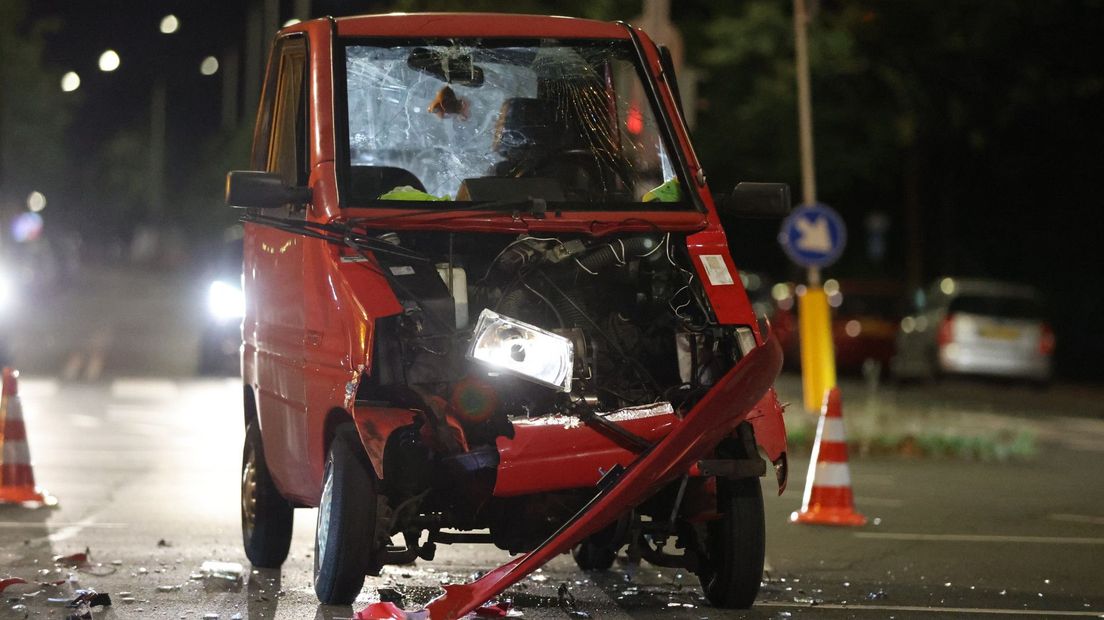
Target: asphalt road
pixel 146 471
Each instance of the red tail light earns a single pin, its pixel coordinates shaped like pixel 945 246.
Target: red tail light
pixel 945 334
pixel 1046 340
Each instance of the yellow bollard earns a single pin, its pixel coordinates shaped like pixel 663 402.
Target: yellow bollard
pixel 818 357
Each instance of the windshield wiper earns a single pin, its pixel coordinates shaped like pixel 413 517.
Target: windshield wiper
pixel 335 232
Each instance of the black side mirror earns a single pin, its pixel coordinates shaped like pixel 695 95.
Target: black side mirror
pixel 756 200
pixel 262 190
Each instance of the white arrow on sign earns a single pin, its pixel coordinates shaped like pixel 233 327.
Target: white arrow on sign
pixel 814 235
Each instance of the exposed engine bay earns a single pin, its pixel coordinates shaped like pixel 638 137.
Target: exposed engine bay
pixel 637 322
pixel 498 330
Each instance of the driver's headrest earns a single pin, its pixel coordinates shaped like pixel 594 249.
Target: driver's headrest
pixel 523 124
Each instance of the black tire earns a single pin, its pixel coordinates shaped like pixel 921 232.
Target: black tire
pixel 266 516
pixel 345 540
pixel 734 546
pixel 597 552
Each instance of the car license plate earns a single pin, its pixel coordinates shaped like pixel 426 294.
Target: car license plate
pixel 999 332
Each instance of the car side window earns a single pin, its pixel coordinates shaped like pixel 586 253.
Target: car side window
pixel 286 152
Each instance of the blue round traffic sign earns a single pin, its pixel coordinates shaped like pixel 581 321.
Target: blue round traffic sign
pixel 813 235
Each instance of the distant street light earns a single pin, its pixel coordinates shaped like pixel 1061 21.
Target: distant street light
pixel 70 82
pixel 209 66
pixel 36 201
pixel 109 61
pixel 169 24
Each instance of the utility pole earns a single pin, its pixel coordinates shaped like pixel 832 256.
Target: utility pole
pixel 805 112
pixel 818 358
pixel 158 126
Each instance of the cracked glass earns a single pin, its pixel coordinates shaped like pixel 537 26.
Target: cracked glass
pixel 486 120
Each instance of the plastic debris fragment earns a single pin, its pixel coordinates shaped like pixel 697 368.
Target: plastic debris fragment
pixel 10 581
pixel 228 571
pixel 389 611
pixel 498 610
pixel 390 595
pixel 91 598
pixel 568 604
pixel 75 560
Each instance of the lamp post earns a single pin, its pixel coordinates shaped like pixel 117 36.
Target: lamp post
pixel 818 356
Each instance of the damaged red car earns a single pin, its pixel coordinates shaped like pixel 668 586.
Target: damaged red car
pixel 489 299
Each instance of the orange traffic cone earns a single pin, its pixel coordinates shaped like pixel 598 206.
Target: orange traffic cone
pixel 17 485
pixel 828 499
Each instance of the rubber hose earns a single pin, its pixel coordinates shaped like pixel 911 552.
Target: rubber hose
pixel 512 302
pixel 610 253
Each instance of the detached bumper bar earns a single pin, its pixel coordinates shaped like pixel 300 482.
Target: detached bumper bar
pixel 719 412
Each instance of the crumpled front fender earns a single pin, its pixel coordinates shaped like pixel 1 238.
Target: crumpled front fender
pixel 716 415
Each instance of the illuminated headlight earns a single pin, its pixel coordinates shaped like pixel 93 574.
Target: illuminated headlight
pixel 7 290
pixel 225 301
pixel 511 346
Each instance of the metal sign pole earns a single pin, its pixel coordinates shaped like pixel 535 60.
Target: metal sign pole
pixel 818 367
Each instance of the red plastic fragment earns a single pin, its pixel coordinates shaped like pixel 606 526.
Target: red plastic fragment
pixel 10 581
pixel 74 560
pixel 498 610
pixel 389 611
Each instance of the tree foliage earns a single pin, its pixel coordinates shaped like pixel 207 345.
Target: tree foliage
pixel 34 113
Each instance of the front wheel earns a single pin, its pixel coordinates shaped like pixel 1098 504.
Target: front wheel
pixel 597 551
pixel 345 539
pixel 733 547
pixel 266 517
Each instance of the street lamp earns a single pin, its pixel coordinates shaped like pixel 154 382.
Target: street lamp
pixel 36 201
pixel 109 61
pixel 169 24
pixel 209 66
pixel 70 82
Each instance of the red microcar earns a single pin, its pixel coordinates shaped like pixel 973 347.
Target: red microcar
pixel 489 299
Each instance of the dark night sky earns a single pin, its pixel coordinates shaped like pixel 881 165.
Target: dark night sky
pixel 110 101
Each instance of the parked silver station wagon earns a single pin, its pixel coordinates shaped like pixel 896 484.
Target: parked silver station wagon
pixel 976 327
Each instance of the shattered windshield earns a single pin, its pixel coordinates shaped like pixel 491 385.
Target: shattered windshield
pixel 475 120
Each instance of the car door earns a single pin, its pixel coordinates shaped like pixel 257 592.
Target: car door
pixel 273 278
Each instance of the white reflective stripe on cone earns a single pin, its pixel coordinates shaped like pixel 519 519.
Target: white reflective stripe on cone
pixel 833 430
pixel 832 475
pixel 15 453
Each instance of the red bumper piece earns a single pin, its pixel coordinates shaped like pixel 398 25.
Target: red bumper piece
pixel 714 417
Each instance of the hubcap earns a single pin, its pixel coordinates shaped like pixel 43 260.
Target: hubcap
pixel 249 489
pixel 325 507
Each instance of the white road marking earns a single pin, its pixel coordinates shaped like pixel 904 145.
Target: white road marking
pixel 80 420
pixel 87 523
pixel 38 388
pixel 1052 540
pixel 946 611
pixel 1077 518
pixel 880 501
pixel 152 389
pixel 71 531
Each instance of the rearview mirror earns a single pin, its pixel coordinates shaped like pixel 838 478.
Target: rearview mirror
pixel 262 190
pixel 446 66
pixel 756 200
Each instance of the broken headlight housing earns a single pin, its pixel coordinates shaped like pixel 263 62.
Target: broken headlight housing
pixel 511 346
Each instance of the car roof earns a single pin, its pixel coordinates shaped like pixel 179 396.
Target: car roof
pixel 990 288
pixel 477 25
